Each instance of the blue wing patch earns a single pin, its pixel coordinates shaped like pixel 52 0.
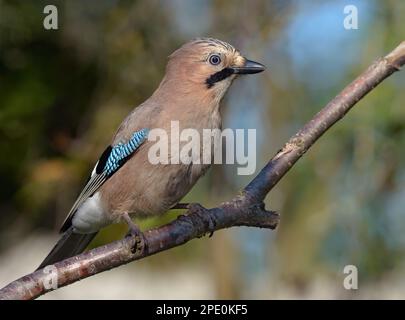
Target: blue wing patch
pixel 110 161
pixel 120 152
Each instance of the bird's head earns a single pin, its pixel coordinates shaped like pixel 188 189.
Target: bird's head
pixel 208 65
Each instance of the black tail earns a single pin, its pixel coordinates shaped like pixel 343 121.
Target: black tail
pixel 69 245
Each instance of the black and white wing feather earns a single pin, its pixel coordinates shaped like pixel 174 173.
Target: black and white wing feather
pixel 111 160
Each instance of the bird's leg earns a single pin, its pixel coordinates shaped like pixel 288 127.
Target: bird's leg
pixel 181 206
pixel 133 228
pixel 134 231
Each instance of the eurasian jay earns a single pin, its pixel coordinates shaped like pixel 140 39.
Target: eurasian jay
pixel 124 182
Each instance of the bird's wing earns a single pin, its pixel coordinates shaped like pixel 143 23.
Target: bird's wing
pixel 111 160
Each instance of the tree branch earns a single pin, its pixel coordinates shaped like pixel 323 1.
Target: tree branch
pixel 246 209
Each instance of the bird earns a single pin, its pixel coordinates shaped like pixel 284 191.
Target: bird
pixel 124 183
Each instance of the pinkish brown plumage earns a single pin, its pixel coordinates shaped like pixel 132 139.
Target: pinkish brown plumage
pixel 197 76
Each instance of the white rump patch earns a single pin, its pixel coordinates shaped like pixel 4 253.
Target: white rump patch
pixel 91 216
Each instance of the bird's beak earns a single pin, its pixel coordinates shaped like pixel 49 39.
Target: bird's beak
pixel 249 67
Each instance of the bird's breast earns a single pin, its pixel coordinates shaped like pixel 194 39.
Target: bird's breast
pixel 144 186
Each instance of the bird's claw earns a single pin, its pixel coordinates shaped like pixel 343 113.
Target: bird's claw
pixel 200 210
pixel 135 232
pixel 139 237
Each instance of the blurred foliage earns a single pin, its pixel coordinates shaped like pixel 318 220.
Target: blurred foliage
pixel 63 92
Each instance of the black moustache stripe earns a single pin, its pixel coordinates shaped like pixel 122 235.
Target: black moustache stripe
pixel 218 76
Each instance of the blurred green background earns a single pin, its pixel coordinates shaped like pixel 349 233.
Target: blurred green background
pixel 63 93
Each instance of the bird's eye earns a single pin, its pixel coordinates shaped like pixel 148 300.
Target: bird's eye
pixel 215 59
